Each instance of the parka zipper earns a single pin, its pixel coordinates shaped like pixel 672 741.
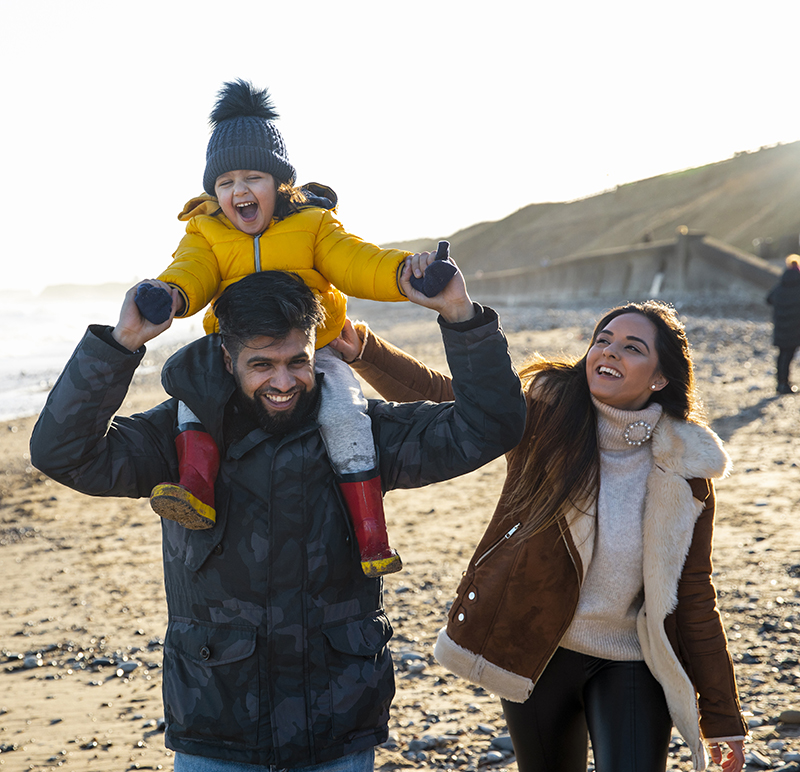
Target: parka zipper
pixel 491 549
pixel 257 252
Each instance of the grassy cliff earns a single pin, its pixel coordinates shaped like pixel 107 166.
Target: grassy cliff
pixel 750 196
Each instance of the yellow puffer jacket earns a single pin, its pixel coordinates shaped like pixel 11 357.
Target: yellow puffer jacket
pixel 311 243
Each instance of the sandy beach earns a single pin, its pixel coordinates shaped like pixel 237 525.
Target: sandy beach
pixel 81 629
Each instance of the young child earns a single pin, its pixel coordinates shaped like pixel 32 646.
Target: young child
pixel 252 218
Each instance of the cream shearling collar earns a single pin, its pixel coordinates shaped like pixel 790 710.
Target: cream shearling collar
pixel 689 450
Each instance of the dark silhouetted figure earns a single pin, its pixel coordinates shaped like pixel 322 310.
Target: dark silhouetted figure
pixel 785 301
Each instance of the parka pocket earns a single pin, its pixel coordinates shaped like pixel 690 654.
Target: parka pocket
pixel 360 676
pixel 211 682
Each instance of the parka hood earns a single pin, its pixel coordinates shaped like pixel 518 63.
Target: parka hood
pixel 194 372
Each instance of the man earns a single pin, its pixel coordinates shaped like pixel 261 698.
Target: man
pixel 276 647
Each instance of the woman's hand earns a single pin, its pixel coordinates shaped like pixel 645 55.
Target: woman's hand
pixel 348 344
pixel 734 761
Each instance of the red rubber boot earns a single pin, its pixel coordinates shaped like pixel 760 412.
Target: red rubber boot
pixel 191 501
pixel 365 502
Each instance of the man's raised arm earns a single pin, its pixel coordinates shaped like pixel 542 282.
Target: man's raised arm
pixel 423 443
pixel 75 440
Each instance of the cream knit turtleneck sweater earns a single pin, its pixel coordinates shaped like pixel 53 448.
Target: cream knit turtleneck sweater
pixel 604 624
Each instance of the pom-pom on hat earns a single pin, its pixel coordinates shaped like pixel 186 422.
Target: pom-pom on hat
pixel 245 136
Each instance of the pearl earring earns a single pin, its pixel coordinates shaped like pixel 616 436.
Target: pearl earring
pixel 653 387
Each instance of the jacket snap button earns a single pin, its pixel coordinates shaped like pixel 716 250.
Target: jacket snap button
pixel 471 595
pixel 461 616
pixel 218 549
pixel 205 653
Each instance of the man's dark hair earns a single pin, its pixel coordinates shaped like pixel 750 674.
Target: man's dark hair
pixel 270 303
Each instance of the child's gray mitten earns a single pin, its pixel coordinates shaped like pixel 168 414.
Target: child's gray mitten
pixel 437 274
pixel 155 303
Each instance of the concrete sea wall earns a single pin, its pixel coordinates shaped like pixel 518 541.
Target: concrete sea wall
pixel 691 262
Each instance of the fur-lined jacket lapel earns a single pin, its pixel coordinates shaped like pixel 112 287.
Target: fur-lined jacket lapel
pixel 680 451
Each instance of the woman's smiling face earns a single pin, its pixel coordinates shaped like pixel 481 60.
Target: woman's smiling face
pixel 622 365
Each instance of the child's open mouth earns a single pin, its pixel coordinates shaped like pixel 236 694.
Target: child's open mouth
pixel 247 211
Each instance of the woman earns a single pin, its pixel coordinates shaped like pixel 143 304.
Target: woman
pixel 593 579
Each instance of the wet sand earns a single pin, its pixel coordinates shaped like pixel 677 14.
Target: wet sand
pixel 82 624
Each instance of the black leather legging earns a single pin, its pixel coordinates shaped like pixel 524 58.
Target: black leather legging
pixel 618 704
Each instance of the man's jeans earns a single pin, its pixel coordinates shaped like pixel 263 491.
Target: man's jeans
pixel 363 761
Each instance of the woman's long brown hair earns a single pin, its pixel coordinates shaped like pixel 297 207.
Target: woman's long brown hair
pixel 560 466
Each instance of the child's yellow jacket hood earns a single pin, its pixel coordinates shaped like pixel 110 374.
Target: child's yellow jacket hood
pixel 202 204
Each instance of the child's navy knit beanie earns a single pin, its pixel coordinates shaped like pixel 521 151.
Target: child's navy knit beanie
pixel 245 136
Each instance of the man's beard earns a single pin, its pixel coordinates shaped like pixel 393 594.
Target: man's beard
pixel 279 422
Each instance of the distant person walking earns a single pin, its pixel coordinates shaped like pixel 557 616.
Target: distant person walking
pixel 784 298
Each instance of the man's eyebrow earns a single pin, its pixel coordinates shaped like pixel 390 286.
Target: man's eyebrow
pixel 258 358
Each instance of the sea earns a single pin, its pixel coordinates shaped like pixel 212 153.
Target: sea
pixel 39 332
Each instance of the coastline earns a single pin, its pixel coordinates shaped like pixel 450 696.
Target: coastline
pixel 40 333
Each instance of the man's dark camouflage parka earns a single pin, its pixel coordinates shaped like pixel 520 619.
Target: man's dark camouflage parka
pixel 276 646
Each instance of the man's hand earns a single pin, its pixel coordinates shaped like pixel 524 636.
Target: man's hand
pixel 453 302
pixel 438 274
pixel 133 330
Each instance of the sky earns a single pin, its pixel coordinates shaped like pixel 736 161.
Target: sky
pixel 426 116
